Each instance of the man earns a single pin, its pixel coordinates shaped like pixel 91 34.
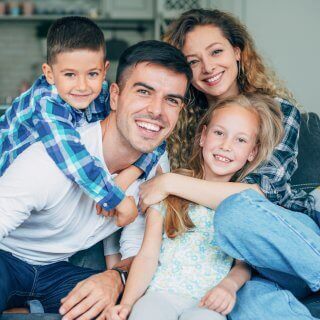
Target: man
pixel 45 217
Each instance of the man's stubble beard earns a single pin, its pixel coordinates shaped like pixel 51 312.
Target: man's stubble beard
pixel 125 137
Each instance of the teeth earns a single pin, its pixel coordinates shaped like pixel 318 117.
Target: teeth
pixel 223 159
pixel 149 126
pixel 215 78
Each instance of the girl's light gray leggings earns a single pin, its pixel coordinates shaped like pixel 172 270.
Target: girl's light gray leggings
pixel 159 305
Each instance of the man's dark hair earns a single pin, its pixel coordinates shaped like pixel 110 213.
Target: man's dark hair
pixel 155 52
pixel 72 33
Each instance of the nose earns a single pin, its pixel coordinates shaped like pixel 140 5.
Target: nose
pixel 207 65
pixel 226 144
pixel 82 83
pixel 155 106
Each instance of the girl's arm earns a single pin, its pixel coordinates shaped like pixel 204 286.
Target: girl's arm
pixel 143 266
pixel 222 297
pixel 207 193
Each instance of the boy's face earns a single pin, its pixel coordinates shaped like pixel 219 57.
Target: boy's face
pixel 78 76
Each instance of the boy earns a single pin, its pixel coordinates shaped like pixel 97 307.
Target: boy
pixel 71 92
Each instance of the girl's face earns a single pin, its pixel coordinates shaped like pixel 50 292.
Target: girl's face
pixel 228 142
pixel 213 61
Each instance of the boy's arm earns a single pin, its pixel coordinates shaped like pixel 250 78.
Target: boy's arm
pixel 127 176
pixel 62 142
pixel 148 160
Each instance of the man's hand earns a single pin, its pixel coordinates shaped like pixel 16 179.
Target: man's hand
pixel 153 191
pixel 92 296
pixel 119 312
pixel 221 298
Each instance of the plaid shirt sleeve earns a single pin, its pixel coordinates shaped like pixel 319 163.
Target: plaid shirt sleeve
pixel 62 142
pixel 273 176
pixel 148 160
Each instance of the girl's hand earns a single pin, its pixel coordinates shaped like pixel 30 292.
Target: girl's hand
pixel 119 312
pixel 153 191
pixel 221 298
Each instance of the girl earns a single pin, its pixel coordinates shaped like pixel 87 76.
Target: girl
pixel 224 63
pixel 193 279
pixel 250 228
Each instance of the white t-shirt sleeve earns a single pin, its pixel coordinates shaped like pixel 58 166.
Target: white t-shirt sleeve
pixel 22 190
pixel 132 234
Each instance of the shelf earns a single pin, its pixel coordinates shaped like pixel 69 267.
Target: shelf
pixel 51 17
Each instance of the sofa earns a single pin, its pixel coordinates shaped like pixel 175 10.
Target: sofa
pixel 306 177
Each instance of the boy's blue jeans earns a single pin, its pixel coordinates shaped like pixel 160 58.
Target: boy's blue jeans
pixel 282 246
pixel 21 282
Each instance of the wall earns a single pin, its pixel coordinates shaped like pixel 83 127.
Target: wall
pixel 287 34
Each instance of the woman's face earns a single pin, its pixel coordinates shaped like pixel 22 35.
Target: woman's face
pixel 213 61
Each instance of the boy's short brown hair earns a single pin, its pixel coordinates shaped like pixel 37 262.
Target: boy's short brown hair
pixel 73 33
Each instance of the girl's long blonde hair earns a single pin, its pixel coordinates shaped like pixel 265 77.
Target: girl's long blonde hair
pixel 269 134
pixel 253 75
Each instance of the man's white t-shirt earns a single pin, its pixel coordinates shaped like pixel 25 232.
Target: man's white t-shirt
pixel 45 217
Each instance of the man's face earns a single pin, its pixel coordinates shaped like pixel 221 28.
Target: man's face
pixel 78 76
pixel 148 105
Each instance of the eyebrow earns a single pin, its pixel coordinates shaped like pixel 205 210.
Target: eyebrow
pixel 73 70
pixel 142 84
pixel 170 95
pixel 208 47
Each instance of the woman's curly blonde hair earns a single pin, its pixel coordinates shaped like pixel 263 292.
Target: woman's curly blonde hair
pixel 254 76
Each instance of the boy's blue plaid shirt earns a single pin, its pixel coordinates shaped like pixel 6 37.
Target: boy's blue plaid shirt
pixel 40 114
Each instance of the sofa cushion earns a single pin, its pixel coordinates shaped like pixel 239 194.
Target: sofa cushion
pixel 307 176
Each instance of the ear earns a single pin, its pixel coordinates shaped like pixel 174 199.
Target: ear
pixel 106 67
pixel 237 53
pixel 48 73
pixel 114 96
pixel 203 135
pixel 253 154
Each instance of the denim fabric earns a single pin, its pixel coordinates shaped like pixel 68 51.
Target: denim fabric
pixel 21 282
pixel 281 245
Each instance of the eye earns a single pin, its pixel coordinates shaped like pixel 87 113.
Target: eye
pixel 174 101
pixel 218 132
pixel 143 92
pixel 242 140
pixel 216 52
pixel 69 75
pixel 93 74
pixel 193 62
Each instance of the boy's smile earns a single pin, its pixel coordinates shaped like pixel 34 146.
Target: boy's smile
pixel 78 76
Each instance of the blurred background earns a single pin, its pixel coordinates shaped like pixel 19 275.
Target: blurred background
pixel 286 33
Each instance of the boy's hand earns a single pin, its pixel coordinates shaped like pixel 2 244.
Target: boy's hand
pixel 101 211
pixel 119 312
pixel 221 298
pixel 126 211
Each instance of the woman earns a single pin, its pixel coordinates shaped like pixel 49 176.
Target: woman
pixel 268 237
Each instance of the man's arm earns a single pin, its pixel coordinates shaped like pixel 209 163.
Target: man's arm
pixel 95 294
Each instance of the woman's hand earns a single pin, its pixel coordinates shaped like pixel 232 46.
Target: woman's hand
pixel 119 312
pixel 154 190
pixel 221 298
